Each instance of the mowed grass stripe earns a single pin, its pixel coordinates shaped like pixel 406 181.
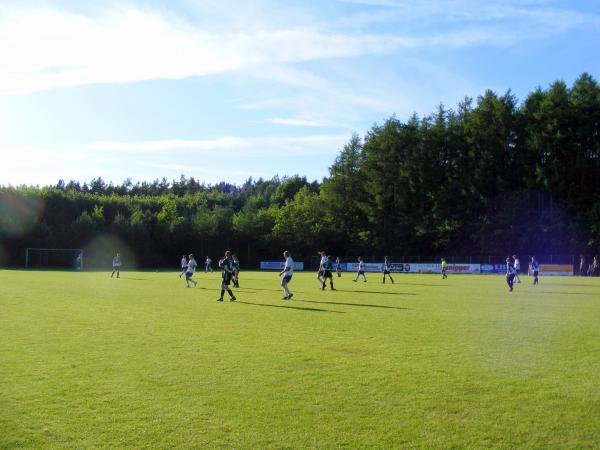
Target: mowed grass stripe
pixel 89 361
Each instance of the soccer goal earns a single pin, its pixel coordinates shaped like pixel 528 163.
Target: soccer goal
pixel 54 258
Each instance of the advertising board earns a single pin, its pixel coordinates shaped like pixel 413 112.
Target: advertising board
pixel 556 269
pixel 278 265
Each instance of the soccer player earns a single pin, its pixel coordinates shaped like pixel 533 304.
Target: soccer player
pixel 287 272
pixel 321 269
pixel 517 265
pixel 338 266
pixel 190 270
pixel 327 266
pixel 535 269
pixel 444 268
pixel 227 266
pixel 361 270
pixel 116 265
pixel 236 272
pixel 208 265
pixel 386 269
pixel 510 274
pixel 184 264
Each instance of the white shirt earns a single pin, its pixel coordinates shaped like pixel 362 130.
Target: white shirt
pixel 289 266
pixel 323 260
pixel 517 264
pixel 510 270
pixel 116 261
pixel 361 265
pixel 183 263
pixel 192 264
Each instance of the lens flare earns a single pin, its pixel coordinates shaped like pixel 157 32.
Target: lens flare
pixel 18 213
pixel 98 253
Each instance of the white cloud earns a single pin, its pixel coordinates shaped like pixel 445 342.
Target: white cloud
pixel 46 47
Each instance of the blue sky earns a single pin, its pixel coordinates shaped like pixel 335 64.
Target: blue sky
pixel 224 90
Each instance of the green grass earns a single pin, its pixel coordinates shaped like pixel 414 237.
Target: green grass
pixel 141 362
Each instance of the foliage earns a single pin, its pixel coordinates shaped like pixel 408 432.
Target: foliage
pixel 492 176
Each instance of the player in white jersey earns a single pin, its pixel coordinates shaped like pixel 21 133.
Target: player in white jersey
pixel 208 267
pixel 116 263
pixel 321 271
pixel 190 270
pixel 287 272
pixel 184 264
pixel 517 266
pixel 361 270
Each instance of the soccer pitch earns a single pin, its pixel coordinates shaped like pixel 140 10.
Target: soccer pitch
pixel 143 362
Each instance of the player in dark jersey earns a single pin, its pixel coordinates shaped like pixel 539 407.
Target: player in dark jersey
pixel 338 266
pixel 227 266
pixel 236 271
pixel 387 269
pixel 327 268
pixel 535 269
pixel 510 274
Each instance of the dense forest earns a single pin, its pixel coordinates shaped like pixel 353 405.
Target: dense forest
pixel 492 177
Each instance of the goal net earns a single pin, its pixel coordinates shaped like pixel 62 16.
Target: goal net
pixel 54 258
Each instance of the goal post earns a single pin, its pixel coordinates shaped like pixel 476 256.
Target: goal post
pixel 54 258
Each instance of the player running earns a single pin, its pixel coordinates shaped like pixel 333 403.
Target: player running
pixel 327 267
pixel 190 270
pixel 116 263
pixel 227 266
pixel 517 265
pixel 535 269
pixel 184 264
pixel 510 274
pixel 361 270
pixel 321 269
pixel 387 269
pixel 338 266
pixel 236 272
pixel 287 272
pixel 444 268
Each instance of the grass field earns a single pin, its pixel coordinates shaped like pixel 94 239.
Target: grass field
pixel 141 362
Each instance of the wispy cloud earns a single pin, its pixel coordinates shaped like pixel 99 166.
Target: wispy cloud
pixel 47 47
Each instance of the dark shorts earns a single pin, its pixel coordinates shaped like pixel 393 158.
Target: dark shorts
pixel 361 272
pixel 227 278
pixel 327 274
pixel 320 273
pixel 189 275
pixel 286 279
pixel 535 273
pixel 386 272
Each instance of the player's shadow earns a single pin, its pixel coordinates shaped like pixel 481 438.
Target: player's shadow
pixel 422 284
pixel 272 290
pixel 353 304
pixel 377 292
pixel 595 294
pixel 291 307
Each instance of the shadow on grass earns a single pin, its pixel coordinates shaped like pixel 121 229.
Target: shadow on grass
pixel 377 292
pixel 595 294
pixel 271 290
pixel 353 304
pixel 291 307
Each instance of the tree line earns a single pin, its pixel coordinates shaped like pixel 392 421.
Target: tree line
pixel 493 176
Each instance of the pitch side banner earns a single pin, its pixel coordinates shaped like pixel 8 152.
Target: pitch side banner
pixel 556 269
pixel 368 267
pixel 437 268
pixel 489 269
pixel 278 265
